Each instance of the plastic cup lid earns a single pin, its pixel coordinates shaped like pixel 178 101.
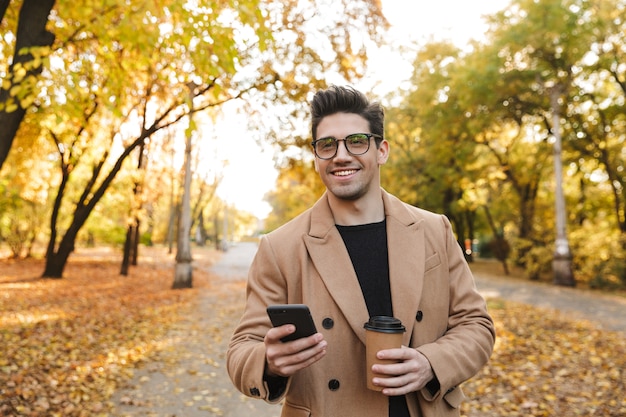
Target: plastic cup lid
pixel 384 324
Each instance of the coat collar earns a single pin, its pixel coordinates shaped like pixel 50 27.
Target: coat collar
pixel 405 239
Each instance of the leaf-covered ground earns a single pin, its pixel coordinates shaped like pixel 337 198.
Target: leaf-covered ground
pixel 67 345
pixel 545 364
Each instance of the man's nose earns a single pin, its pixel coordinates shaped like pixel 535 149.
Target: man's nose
pixel 342 149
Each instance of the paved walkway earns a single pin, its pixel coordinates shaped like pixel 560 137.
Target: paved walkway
pixel 605 311
pixel 192 381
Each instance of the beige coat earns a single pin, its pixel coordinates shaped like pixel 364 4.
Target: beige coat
pixel 433 294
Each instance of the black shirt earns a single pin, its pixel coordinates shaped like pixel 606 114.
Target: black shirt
pixel 367 247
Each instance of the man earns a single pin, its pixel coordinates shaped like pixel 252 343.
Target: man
pixel 360 252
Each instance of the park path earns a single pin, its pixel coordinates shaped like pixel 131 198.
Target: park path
pixel 190 378
pixel 605 311
pixel 194 382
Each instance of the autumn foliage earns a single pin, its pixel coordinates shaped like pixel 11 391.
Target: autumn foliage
pixel 67 345
pixel 546 364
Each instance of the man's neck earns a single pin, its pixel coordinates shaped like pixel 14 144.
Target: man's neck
pixel 365 210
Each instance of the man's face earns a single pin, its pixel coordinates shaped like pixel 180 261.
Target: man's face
pixel 346 176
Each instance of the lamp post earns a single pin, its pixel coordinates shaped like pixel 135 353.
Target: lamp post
pixel 562 261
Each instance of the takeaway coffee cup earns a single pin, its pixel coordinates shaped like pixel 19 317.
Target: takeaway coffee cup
pixel 381 332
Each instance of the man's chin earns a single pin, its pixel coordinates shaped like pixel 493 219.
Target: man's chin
pixel 347 193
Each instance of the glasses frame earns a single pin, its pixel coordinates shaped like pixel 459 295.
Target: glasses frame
pixel 369 137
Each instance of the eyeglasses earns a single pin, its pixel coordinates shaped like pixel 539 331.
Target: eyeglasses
pixel 356 144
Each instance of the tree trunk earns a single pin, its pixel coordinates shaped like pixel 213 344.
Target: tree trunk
pixel 183 277
pixel 131 244
pixel 200 231
pixel 134 256
pixel 500 246
pixel 216 227
pixel 127 248
pixel 183 273
pixel 56 260
pixel 31 32
pixel 4 5
pixel 171 228
pixel 55 263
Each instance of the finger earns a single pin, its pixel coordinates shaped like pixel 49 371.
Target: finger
pixel 285 363
pixel 305 347
pixel 399 354
pixel 391 369
pixel 399 385
pixel 306 357
pixel 276 333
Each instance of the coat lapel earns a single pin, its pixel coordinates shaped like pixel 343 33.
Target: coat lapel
pixel 332 261
pixel 405 241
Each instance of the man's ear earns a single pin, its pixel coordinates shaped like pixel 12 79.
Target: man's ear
pixel 383 152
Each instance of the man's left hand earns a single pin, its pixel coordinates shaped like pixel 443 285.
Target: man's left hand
pixel 411 373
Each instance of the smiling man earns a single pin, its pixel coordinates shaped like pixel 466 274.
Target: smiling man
pixel 360 252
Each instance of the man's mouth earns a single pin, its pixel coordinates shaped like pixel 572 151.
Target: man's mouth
pixel 344 173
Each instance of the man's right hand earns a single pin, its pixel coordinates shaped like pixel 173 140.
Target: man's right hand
pixel 285 359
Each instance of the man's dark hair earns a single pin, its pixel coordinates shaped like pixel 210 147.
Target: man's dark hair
pixel 337 99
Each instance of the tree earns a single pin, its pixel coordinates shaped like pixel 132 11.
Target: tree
pixel 183 272
pixel 136 100
pixel 431 141
pixel 549 46
pixel 131 243
pixel 496 95
pixel 19 87
pixel 297 188
pixel 97 118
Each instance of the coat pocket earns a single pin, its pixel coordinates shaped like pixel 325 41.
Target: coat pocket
pixel 291 410
pixel 433 261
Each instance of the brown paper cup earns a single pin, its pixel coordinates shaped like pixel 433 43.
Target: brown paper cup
pixel 381 332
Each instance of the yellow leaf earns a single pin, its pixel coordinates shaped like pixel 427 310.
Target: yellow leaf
pixel 595 360
pixel 11 107
pixel 27 102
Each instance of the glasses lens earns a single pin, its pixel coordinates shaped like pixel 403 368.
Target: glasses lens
pixel 326 147
pixel 358 143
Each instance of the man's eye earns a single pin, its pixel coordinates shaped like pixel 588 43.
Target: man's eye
pixel 327 143
pixel 357 139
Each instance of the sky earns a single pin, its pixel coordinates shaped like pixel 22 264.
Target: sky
pixel 250 172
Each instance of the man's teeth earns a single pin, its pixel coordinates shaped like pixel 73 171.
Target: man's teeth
pixel 345 173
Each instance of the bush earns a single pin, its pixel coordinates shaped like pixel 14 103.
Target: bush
pixel 610 275
pixel 534 257
pixel 538 261
pixel 599 256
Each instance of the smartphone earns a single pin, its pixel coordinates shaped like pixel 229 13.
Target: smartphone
pixel 296 314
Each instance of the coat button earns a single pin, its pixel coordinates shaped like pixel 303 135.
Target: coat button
pixel 419 316
pixel 328 323
pixel 333 385
pixel 255 392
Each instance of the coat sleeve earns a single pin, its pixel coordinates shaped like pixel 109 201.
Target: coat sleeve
pixel 468 341
pixel 245 358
